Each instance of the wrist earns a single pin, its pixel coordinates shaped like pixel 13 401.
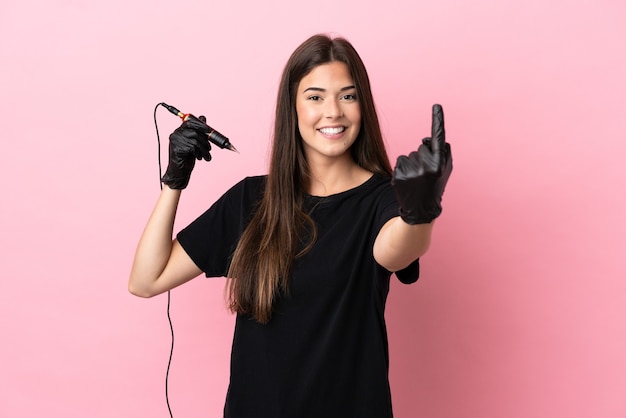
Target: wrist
pixel 173 181
pixel 170 190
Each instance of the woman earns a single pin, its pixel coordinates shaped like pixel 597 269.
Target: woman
pixel 309 249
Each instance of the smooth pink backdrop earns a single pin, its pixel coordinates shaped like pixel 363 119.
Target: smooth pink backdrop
pixel 521 308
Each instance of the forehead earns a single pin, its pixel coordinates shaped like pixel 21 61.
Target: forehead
pixel 327 76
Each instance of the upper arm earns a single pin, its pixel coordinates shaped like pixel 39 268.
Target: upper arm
pixel 398 244
pixel 382 253
pixel 179 269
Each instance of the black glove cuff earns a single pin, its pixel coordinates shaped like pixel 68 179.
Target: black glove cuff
pixel 421 218
pixel 175 182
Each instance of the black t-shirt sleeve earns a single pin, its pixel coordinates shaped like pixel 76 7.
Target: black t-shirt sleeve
pixel 389 209
pixel 211 239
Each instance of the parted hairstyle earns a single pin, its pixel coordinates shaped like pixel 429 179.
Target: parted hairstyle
pixel 280 230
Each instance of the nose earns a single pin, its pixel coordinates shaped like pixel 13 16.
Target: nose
pixel 333 109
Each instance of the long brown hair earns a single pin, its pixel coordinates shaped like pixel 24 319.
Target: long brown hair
pixel 280 230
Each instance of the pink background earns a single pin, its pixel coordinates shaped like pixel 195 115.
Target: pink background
pixel 521 308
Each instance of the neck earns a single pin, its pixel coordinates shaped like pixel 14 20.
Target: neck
pixel 336 177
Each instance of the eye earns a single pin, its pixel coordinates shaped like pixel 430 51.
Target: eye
pixel 349 97
pixel 314 98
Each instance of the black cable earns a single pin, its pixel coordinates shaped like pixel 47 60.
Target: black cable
pixel 158 143
pixel 169 318
pixel 169 362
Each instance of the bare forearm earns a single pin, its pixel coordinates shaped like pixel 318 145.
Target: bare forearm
pixel 398 243
pixel 155 244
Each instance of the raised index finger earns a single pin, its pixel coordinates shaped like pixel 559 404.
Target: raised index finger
pixel 438 133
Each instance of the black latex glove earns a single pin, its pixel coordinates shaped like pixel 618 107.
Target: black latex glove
pixel 420 179
pixel 188 143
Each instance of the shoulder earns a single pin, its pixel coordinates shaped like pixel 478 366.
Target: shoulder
pixel 251 182
pixel 248 188
pixel 381 181
pixel 378 187
pixel 241 198
pixel 382 198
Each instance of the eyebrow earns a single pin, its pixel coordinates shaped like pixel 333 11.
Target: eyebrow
pixel 323 90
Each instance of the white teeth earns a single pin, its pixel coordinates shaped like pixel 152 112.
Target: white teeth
pixel 332 131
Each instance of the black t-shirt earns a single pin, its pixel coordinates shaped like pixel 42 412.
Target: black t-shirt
pixel 324 353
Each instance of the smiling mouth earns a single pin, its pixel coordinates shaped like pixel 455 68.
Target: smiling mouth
pixel 332 131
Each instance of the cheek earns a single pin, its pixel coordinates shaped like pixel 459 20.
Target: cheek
pixel 304 129
pixel 300 115
pixel 299 121
pixel 305 116
pixel 357 114
pixel 356 120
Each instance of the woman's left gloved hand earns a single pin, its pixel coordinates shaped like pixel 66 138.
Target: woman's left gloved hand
pixel 419 180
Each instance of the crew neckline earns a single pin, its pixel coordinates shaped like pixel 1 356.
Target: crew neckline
pixel 366 183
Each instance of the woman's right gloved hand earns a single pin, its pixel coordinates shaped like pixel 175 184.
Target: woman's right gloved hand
pixel 188 143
